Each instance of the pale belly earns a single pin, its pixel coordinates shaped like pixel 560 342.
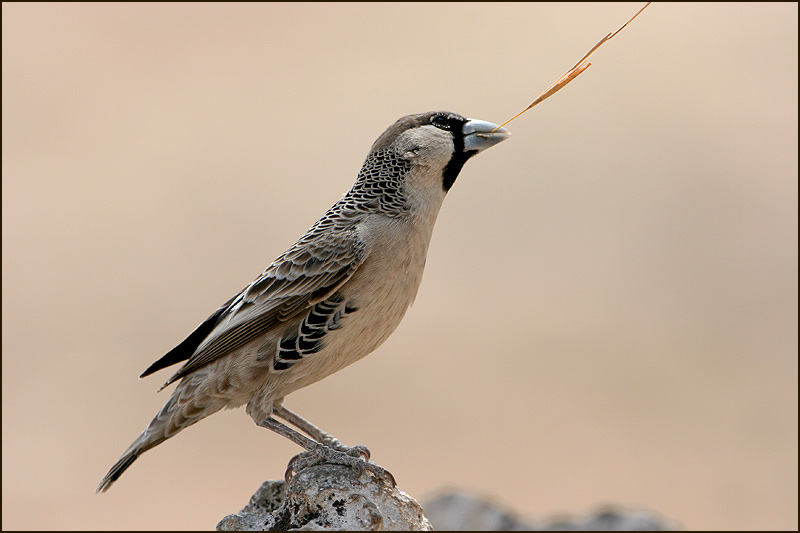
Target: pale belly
pixel 381 290
pixel 380 304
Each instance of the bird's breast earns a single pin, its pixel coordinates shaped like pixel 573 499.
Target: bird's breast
pixel 374 301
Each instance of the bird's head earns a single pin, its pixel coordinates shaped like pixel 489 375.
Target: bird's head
pixel 439 141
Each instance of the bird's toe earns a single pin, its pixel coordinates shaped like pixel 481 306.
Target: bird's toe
pixel 357 457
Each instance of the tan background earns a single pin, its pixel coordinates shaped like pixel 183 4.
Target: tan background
pixel 609 313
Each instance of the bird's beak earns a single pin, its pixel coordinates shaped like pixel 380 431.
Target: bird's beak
pixel 480 135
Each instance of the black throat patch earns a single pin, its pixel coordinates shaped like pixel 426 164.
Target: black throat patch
pixel 456 163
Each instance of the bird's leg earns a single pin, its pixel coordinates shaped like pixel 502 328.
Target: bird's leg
pixel 289 433
pixel 317 434
pixel 317 453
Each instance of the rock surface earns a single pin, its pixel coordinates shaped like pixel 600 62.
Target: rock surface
pixel 328 496
pixel 334 497
pixel 461 511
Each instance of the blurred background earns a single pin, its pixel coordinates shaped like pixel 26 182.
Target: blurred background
pixel 609 311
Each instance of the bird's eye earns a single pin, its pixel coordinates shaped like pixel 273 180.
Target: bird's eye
pixel 440 121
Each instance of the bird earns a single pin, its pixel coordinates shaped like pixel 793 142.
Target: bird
pixel 330 299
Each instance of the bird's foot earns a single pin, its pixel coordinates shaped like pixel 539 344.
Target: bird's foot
pixel 355 457
pixel 359 450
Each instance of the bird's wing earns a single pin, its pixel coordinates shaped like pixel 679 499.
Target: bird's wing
pixel 310 271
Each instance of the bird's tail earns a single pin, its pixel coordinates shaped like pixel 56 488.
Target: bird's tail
pixel 119 467
pixel 182 410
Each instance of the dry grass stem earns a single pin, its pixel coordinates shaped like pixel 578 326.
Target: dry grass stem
pixel 574 72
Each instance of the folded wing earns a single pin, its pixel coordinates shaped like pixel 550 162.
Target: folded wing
pixel 309 272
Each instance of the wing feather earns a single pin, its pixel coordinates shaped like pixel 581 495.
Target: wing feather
pixel 307 273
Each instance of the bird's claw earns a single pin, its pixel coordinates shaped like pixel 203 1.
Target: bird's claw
pixel 363 451
pixel 287 476
pixel 355 451
pixel 357 457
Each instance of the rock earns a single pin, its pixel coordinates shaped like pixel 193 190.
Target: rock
pixel 327 496
pixel 460 511
pixel 334 497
